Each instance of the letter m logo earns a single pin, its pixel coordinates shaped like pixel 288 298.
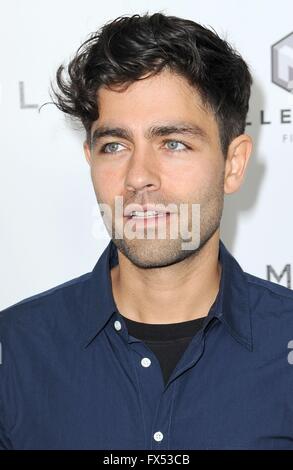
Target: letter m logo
pixel 271 273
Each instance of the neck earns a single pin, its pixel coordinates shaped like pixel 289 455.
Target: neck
pixel 181 292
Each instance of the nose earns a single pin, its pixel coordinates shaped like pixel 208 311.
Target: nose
pixel 143 170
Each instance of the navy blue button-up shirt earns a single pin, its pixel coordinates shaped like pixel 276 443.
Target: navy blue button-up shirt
pixel 71 377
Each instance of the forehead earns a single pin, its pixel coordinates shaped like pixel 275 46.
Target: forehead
pixel 162 97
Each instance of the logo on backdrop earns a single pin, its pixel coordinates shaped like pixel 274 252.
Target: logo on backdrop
pixel 282 76
pixel 282 63
pixel 282 277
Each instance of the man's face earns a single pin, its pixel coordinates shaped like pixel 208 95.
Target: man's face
pixel 175 168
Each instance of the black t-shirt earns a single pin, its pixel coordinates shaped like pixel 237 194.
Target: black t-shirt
pixel 167 341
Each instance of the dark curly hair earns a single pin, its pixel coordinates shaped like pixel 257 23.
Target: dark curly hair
pixel 132 47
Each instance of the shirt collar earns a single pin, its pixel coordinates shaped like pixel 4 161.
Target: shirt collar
pixel 100 304
pixel 231 306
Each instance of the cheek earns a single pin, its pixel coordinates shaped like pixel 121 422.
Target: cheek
pixel 196 180
pixel 106 182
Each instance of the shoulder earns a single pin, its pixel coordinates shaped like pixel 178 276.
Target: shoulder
pixel 268 289
pixel 271 304
pixel 44 304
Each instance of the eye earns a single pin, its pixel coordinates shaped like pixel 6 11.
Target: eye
pixel 174 145
pixel 111 146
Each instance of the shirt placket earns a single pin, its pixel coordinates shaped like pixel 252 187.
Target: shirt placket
pixel 156 399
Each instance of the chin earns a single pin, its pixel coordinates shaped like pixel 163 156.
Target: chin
pixel 148 254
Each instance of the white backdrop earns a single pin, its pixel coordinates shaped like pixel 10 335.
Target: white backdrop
pixel 48 211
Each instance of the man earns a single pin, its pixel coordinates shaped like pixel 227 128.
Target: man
pixel 167 343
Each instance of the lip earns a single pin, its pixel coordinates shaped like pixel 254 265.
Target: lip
pixel 143 207
pixel 148 221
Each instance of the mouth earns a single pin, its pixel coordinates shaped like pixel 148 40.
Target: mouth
pixel 146 218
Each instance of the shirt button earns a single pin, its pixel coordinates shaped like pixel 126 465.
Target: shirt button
pixel 145 362
pixel 158 436
pixel 117 325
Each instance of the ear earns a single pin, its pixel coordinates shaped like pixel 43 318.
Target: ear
pixel 238 155
pixel 87 152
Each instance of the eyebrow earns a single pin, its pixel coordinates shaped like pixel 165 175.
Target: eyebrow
pixel 192 130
